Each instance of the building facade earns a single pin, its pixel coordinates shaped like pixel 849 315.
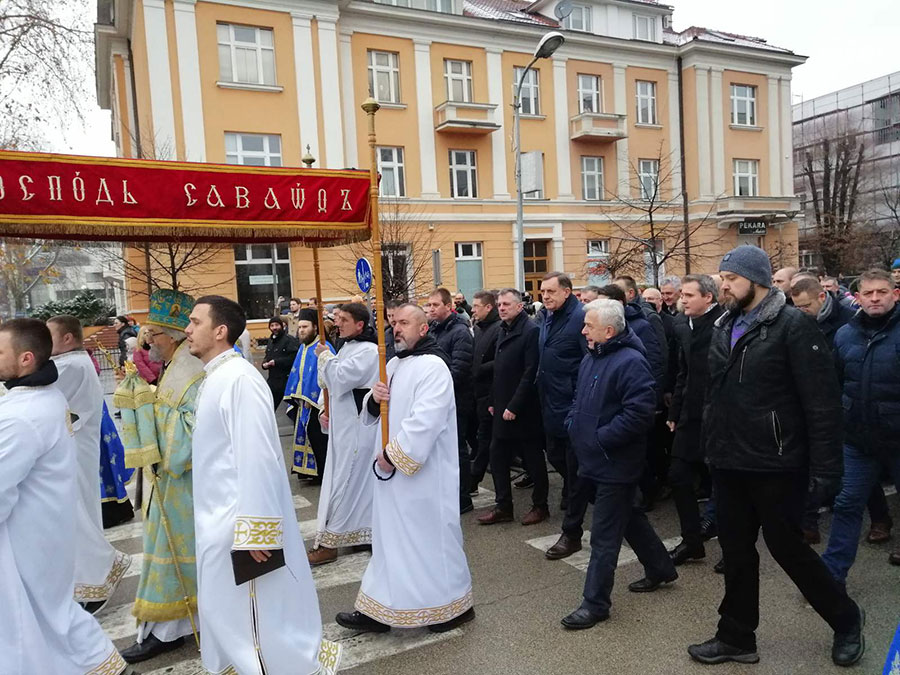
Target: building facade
pixel 867 118
pixel 624 119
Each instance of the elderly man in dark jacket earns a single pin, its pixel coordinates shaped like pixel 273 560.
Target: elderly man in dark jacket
pixel 614 405
pixel 486 330
pixel 772 427
pixel 516 412
pixel 453 336
pixel 562 346
pixel 698 294
pixel 867 353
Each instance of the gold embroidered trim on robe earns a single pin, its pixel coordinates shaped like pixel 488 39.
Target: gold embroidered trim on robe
pixel 403 462
pixel 254 533
pixel 113 665
pixel 333 540
pixel 144 610
pixel 412 618
pixel 330 654
pixel 88 593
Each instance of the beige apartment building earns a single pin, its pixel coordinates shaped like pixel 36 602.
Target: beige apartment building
pixel 623 120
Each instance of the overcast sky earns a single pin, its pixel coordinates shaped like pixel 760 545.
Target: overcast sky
pixel 846 42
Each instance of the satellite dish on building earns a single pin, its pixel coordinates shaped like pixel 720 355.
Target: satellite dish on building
pixel 563 9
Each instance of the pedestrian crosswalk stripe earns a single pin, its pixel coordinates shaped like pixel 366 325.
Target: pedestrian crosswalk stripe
pixel 580 559
pixel 483 499
pixel 359 648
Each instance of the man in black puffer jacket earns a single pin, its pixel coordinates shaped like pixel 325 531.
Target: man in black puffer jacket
pixel 772 427
pixel 453 336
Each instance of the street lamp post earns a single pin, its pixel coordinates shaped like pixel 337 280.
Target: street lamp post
pixel 545 49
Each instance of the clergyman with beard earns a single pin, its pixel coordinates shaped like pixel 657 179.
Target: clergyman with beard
pixel 772 430
pixel 303 396
pixel 280 352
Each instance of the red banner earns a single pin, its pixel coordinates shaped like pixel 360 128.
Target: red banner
pixel 64 197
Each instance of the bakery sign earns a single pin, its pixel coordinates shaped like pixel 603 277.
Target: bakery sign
pixel 752 227
pixel 60 196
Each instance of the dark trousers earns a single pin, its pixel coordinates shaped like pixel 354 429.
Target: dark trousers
pixel 482 457
pixel 556 455
pixel 746 502
pixel 659 446
pixel 318 441
pixel 682 474
pixel 502 452
pixel 462 427
pixel 580 493
pixel 877 506
pixel 615 518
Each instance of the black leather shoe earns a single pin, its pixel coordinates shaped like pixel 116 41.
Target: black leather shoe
pixel 583 618
pixel 708 529
pixel 465 617
pixel 150 647
pixel 563 548
pixel 524 483
pixel 93 607
pixel 716 651
pixel 360 622
pixel 684 552
pixel 648 585
pixel 848 648
pixel 720 566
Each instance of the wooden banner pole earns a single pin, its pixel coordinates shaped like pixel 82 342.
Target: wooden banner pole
pixel 370 106
pixel 320 309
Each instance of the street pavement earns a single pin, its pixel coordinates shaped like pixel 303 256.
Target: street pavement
pixel 520 598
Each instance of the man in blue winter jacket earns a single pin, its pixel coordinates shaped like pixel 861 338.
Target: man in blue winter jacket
pixel 615 400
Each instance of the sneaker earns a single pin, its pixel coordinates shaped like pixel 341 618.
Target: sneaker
pixel 716 651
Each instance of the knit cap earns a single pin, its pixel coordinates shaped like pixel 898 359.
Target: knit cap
pixel 750 262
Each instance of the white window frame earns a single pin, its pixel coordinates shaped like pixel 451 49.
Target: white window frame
pixel 648 170
pixel 597 248
pixel 394 3
pixel 593 90
pixel 392 70
pixel 474 254
pixel 239 154
pixel 530 100
pixel 471 168
pixel 464 79
pixel 596 172
pixel 743 94
pixel 645 25
pixel 579 19
pixel 645 93
pixel 442 6
pixel 746 171
pixel 395 165
pixel 233 44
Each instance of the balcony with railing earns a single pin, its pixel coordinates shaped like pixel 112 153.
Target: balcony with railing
pixel 465 118
pixel 594 127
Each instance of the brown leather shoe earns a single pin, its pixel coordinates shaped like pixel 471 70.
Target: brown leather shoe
pixel 495 516
pixel 538 514
pixel 894 558
pixel 322 555
pixel 811 536
pixel 563 548
pixel 879 533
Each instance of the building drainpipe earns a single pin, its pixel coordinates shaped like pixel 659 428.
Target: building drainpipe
pixel 684 194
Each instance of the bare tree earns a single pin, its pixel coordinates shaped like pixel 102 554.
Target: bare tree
pixel 648 229
pixel 45 64
pixel 24 265
pixel 834 182
pixel 408 243
pixel 886 236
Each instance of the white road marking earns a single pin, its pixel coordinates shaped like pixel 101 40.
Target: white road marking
pixel 890 490
pixel 118 622
pixel 301 502
pixel 358 648
pixel 581 559
pixel 483 499
pixel 134 569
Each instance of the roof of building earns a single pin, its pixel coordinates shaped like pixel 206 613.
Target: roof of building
pixel 506 10
pixel 679 38
pixel 107 337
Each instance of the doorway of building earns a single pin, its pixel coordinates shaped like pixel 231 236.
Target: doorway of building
pixel 537 264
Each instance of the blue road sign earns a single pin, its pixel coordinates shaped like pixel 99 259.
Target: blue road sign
pixel 363 275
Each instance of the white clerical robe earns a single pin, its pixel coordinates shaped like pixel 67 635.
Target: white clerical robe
pixel 98 566
pixel 418 574
pixel 242 501
pixel 345 500
pixel 42 629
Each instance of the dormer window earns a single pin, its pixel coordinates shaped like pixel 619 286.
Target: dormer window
pixel 645 27
pixel 579 19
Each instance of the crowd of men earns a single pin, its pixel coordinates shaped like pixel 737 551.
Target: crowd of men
pixel 772 395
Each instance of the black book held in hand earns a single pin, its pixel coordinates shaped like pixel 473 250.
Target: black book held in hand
pixel 246 568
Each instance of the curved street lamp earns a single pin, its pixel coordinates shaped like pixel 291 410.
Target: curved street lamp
pixel 548 44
